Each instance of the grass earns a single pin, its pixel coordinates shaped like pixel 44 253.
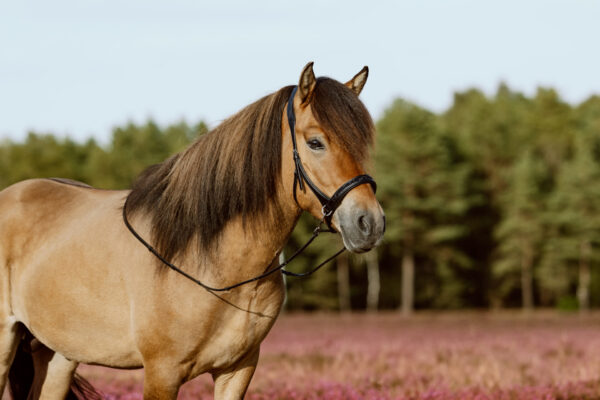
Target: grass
pixel 430 356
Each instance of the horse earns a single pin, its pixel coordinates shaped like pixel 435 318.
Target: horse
pixel 77 287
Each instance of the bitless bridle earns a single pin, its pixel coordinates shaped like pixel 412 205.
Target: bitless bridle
pixel 329 205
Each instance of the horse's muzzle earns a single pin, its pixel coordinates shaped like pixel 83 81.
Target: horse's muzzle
pixel 361 229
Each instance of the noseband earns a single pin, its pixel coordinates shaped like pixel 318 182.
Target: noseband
pixel 329 205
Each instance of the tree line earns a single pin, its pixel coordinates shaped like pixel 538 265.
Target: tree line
pixel 492 203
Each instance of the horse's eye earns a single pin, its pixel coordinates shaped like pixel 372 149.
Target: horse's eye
pixel 315 144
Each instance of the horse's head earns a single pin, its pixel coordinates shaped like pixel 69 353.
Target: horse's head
pixel 334 132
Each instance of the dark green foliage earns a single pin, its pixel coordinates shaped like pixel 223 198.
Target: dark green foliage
pixel 132 148
pixel 496 201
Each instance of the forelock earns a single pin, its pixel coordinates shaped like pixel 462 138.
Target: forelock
pixel 343 117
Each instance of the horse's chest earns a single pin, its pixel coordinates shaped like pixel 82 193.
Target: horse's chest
pixel 238 338
pixel 241 328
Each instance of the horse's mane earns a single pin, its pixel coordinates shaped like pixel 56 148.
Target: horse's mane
pixel 234 170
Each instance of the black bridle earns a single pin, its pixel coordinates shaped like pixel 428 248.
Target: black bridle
pixel 329 205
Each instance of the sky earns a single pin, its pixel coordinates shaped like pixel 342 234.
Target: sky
pixel 80 68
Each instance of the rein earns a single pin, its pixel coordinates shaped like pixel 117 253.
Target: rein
pixel 329 205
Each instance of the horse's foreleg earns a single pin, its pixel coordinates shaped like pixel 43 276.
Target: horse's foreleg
pixel 53 374
pixel 10 333
pixel 161 381
pixel 232 384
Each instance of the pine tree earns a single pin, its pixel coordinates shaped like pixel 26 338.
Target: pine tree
pixel 420 190
pixel 521 231
pixel 575 218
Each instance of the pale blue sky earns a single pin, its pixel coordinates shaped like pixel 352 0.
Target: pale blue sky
pixel 78 68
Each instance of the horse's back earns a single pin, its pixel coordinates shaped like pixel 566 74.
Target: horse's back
pixel 32 211
pixel 27 209
pixel 44 198
pixel 56 254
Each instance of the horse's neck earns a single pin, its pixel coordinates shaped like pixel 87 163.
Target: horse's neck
pixel 247 250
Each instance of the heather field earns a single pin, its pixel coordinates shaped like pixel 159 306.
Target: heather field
pixel 430 356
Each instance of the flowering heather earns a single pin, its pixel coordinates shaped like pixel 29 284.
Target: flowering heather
pixel 428 357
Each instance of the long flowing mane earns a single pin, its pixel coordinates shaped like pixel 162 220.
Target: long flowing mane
pixel 234 170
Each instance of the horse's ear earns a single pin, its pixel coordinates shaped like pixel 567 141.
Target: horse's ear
pixel 357 83
pixel 307 82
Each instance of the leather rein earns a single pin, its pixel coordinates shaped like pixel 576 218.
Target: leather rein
pixel 329 205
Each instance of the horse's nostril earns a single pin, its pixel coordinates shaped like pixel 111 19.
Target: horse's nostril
pixel 364 225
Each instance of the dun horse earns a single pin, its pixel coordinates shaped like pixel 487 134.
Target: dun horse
pixel 77 287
